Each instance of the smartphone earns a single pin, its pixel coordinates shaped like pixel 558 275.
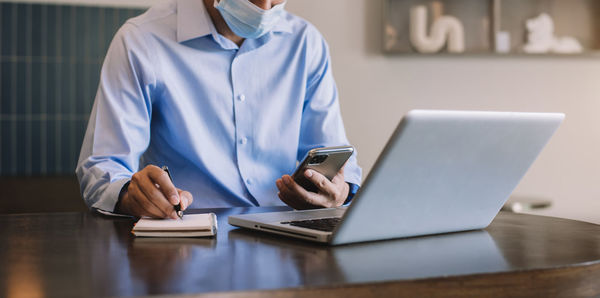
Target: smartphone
pixel 326 160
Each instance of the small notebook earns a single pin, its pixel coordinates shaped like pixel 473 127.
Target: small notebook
pixel 191 225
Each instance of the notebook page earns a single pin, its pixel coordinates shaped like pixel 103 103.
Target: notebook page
pixel 189 222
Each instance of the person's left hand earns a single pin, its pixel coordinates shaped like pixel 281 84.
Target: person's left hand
pixel 331 193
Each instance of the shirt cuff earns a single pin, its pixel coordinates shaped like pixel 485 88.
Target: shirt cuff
pixel 353 190
pixel 109 198
pixel 111 213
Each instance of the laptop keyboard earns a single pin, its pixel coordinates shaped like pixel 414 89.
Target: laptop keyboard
pixel 321 224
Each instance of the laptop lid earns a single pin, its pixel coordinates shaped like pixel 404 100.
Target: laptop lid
pixel 445 171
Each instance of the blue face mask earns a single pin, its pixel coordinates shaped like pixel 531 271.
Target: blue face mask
pixel 248 20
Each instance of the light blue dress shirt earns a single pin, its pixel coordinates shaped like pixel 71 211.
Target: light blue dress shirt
pixel 227 120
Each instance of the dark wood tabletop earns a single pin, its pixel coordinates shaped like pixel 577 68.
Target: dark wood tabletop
pixel 87 254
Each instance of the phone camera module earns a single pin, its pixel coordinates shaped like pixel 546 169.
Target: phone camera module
pixel 318 159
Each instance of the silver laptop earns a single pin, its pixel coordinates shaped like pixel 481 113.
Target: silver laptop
pixel 440 172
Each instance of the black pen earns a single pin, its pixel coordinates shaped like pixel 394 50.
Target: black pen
pixel 178 206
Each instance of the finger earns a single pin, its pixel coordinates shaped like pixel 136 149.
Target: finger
pixel 129 205
pixel 146 208
pixel 279 184
pixel 137 209
pixel 160 177
pixel 321 182
pixel 186 199
pixel 286 200
pixel 293 202
pixel 342 188
pixel 291 198
pixel 289 185
pixel 302 194
pixel 156 197
pixel 339 177
pixel 340 173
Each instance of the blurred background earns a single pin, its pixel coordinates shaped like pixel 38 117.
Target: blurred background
pixel 52 51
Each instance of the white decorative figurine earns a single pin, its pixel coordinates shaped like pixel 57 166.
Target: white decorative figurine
pixel 445 28
pixel 541 39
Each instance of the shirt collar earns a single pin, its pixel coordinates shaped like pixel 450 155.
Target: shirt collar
pixel 284 25
pixel 193 21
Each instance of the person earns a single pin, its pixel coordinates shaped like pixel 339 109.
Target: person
pixel 230 95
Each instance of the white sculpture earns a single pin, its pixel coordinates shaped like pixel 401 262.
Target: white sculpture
pixel 445 28
pixel 541 39
pixel 502 42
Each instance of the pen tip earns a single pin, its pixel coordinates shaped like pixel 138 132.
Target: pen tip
pixel 180 214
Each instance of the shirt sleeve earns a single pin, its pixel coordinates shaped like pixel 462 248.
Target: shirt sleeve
pixel 351 192
pixel 118 131
pixel 322 123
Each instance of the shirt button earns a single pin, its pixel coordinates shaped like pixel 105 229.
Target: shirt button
pixel 249 181
pixel 241 97
pixel 243 141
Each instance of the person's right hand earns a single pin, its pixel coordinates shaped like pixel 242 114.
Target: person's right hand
pixel 151 193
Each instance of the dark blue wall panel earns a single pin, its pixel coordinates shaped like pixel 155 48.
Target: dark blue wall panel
pixel 50 60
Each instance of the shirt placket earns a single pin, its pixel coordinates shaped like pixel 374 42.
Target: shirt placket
pixel 242 100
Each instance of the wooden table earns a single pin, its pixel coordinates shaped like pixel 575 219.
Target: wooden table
pixel 86 254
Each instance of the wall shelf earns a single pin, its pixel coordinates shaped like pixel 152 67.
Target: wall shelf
pixel 482 19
